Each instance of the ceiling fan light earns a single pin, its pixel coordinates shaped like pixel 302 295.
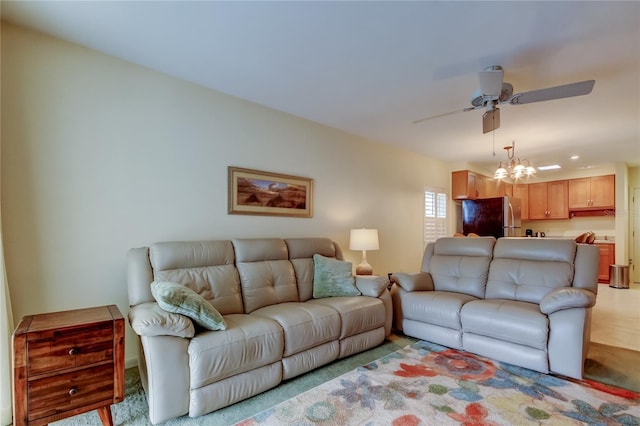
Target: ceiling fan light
pixel 519 168
pixel 530 170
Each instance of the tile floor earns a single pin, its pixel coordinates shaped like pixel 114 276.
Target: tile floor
pixel 616 317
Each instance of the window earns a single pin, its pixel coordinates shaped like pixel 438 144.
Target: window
pixel 435 214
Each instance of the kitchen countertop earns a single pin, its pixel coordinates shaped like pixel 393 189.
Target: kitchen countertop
pixel 564 237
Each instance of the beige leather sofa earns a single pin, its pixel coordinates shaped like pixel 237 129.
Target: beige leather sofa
pixel 524 301
pixel 275 329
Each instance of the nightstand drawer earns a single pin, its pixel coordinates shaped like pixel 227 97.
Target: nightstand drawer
pixel 71 348
pixel 57 394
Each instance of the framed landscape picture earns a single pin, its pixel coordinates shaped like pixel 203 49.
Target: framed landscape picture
pixel 273 194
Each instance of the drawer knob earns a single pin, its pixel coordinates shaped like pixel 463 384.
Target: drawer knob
pixel 73 391
pixel 74 351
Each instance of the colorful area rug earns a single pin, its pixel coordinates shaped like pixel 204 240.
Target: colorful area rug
pixel 427 384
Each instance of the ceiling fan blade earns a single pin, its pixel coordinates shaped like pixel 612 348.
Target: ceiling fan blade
pixel 491 120
pixel 491 81
pixel 433 117
pixel 550 93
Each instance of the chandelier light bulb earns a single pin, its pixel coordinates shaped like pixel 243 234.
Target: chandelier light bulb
pixel 501 173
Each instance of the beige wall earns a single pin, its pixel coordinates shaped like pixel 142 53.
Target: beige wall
pixel 100 155
pixel 634 223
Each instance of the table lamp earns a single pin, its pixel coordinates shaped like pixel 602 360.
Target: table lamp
pixel 364 239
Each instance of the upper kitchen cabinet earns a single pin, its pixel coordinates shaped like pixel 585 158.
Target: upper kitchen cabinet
pixel 466 184
pixel 592 193
pixel 497 188
pixel 549 200
pixel 507 189
pixel 521 191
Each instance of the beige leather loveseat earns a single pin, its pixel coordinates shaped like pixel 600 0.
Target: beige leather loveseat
pixel 275 329
pixel 525 301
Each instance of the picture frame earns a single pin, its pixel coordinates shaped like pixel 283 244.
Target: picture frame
pixel 256 192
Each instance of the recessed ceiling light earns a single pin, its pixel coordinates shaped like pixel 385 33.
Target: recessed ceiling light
pixel 574 157
pixel 550 167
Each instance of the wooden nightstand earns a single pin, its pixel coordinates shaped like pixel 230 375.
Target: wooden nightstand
pixel 67 363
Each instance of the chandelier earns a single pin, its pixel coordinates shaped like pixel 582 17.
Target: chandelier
pixel 513 167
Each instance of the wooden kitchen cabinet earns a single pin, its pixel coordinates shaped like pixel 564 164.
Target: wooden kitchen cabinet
pixel 607 257
pixel 497 188
pixel 549 200
pixel 467 184
pixel 591 193
pixel 67 363
pixel 521 191
pixel 507 189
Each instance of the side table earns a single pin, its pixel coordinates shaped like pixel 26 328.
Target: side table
pixel 67 363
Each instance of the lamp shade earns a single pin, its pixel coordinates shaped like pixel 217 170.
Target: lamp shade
pixel 364 239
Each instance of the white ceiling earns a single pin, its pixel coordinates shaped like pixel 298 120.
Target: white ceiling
pixel 371 68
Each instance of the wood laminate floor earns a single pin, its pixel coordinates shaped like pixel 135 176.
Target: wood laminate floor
pixel 615 319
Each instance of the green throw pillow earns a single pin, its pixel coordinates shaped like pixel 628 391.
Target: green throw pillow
pixel 332 278
pixel 180 299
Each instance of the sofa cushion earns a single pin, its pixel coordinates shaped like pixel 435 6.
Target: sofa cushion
pixel 301 251
pixel 180 299
pixel 266 275
pixel 305 248
pixel 246 344
pixel 267 283
pixel 538 249
pixel 206 267
pixel 332 278
pixel 304 325
pixel 527 269
pixel 441 308
pixel 461 264
pixel 357 314
pixel 506 320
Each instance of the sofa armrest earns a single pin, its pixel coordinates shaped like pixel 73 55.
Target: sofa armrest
pixel 417 281
pixel 370 285
pixel 148 319
pixel 567 298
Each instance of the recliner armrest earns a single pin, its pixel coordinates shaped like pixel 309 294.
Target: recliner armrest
pixel 416 281
pixel 567 298
pixel 370 285
pixel 149 319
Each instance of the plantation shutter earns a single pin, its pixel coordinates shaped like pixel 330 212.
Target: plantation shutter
pixel 435 214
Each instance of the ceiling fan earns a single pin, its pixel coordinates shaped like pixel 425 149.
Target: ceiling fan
pixel 493 91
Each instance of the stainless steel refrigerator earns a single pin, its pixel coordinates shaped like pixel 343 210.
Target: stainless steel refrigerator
pixel 498 217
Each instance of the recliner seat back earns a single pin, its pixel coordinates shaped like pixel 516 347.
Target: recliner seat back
pixel 528 269
pixel 206 267
pixel 301 251
pixel 267 276
pixel 459 265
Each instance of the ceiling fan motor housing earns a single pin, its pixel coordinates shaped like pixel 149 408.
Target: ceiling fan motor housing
pixel 479 100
